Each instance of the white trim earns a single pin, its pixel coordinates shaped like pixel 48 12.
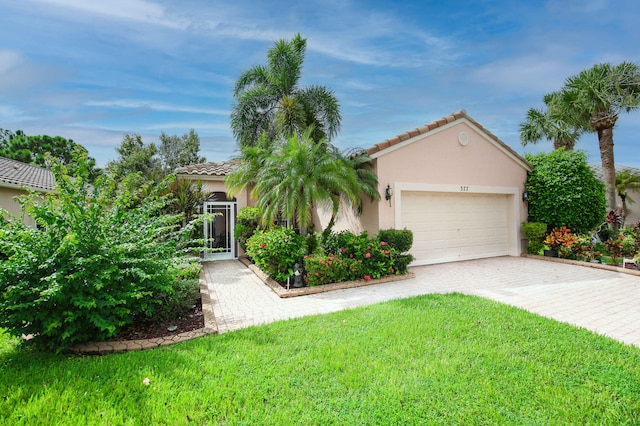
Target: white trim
pixel 23 187
pixel 513 202
pixel 197 177
pixel 444 127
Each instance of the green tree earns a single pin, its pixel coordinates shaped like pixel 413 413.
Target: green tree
pixel 592 100
pixel 269 101
pixel 563 191
pixel 33 150
pixel 541 124
pixel 298 175
pixel 626 180
pixel 136 157
pixel 178 151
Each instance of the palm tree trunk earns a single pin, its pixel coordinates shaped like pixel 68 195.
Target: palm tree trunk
pixel 605 139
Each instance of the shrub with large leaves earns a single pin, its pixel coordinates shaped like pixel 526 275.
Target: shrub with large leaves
pixel 100 257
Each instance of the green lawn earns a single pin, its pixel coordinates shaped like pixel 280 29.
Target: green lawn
pixel 437 359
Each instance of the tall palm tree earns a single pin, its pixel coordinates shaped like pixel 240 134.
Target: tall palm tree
pixel 626 180
pixel 541 124
pixel 592 100
pixel 269 101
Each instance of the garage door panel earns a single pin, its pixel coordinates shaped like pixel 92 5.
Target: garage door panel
pixel 452 226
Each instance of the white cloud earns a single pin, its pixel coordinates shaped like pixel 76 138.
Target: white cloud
pixel 156 106
pixel 130 10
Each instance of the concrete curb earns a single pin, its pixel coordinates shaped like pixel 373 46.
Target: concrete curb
pixel 584 264
pixel 210 327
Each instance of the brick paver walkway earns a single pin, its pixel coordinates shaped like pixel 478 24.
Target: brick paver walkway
pixel 602 301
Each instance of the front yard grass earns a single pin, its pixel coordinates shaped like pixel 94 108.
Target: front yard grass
pixel 435 359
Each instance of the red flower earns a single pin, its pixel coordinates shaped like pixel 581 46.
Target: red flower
pixel 367 255
pixel 392 271
pixel 351 255
pixel 344 250
pixel 263 245
pixel 367 277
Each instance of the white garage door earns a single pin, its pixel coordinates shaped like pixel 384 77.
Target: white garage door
pixel 451 226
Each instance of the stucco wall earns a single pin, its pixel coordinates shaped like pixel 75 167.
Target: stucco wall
pixel 438 161
pixel 9 203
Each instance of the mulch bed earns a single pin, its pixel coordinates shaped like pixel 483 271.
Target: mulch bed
pixel 144 330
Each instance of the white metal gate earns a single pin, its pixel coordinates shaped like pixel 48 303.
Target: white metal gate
pixel 219 231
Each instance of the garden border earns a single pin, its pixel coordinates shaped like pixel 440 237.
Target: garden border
pixel 585 264
pixel 210 327
pixel 304 291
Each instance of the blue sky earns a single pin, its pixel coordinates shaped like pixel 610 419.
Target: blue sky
pixel 95 70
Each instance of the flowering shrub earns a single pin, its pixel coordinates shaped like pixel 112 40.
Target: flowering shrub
pixel 276 251
pixel 377 256
pixel 560 237
pixel 326 269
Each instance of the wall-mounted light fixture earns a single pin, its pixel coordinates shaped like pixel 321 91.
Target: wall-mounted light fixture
pixel 525 196
pixel 388 193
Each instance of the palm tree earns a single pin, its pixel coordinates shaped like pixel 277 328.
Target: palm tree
pixel 626 180
pixel 269 101
pixel 592 100
pixel 541 124
pixel 296 176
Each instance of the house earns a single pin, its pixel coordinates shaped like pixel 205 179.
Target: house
pixel 16 178
pixel 452 182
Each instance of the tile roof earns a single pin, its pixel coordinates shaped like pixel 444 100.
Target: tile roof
pixel 21 174
pixel 209 169
pixel 434 125
pixel 597 170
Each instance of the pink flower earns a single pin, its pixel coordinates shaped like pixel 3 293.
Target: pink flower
pixel 351 255
pixel 367 255
pixel 382 243
pixel 392 270
pixel 367 277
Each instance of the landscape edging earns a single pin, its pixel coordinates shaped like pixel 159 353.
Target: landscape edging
pixel 210 327
pixel 304 291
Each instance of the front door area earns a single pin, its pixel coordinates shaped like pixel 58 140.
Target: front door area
pixel 219 231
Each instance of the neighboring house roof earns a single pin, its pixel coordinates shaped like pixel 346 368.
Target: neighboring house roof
pixel 377 149
pixel 17 174
pixel 597 170
pixel 209 169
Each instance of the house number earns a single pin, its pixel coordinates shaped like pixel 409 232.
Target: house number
pixel 464 189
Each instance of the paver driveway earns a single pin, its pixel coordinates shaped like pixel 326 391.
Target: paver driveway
pixel 602 301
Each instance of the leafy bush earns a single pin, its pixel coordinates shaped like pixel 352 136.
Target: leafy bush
pixel 100 257
pixel 179 302
pixel 247 222
pixel 399 239
pixel 563 191
pixel 401 262
pixel 335 242
pixel 276 251
pixel 377 256
pixel 534 232
pixel 326 269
